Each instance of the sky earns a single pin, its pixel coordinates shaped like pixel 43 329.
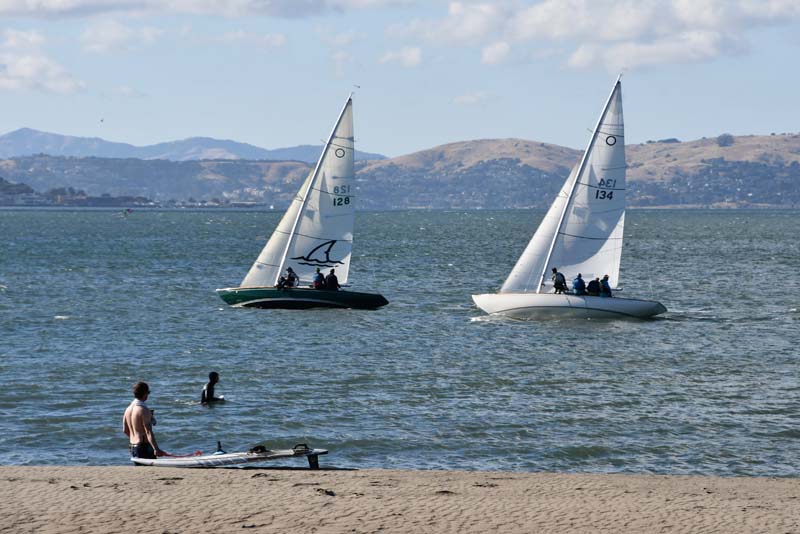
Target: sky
pixel 275 73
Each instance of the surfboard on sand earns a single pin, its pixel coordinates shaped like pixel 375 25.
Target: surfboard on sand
pixel 224 459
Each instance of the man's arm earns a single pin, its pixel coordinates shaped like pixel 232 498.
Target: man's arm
pixel 125 427
pixel 148 431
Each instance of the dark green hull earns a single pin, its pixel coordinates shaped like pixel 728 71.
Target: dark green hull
pixel 299 298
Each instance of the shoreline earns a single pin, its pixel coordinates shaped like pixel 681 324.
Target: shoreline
pixel 52 499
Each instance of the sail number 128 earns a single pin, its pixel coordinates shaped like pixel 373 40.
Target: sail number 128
pixel 341 200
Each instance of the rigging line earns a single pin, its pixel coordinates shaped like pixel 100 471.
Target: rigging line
pixel 614 168
pixel 342 146
pixel 323 238
pixel 603 212
pixel 603 188
pixel 610 133
pixel 312 237
pixel 267 264
pixel 333 194
pixel 590 238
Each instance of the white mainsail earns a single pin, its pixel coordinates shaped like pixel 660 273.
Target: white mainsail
pixel 582 231
pixel 317 229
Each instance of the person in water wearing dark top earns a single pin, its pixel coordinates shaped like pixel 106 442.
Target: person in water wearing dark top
pixel 319 280
pixel 605 288
pixel 578 285
pixel 331 282
pixel 207 396
pixel 593 287
pixel 559 282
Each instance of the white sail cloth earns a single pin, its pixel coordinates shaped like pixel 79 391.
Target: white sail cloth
pixel 582 231
pixel 317 229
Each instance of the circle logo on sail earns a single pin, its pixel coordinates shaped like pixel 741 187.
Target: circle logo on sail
pixel 339 152
pixel 611 140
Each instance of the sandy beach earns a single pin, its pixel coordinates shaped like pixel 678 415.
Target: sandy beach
pixel 127 499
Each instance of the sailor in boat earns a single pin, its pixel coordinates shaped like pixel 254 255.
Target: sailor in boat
pixel 578 285
pixel 593 287
pixel 290 280
pixel 559 282
pixel 605 289
pixel 331 282
pixel 319 280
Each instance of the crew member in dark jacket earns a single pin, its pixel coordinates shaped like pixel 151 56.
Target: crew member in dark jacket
pixel 578 285
pixel 593 287
pixel 605 288
pixel 331 282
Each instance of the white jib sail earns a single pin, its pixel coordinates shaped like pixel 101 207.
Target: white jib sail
pixel 582 231
pixel 317 229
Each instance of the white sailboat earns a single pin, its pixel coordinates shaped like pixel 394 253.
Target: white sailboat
pixel 581 233
pixel 316 232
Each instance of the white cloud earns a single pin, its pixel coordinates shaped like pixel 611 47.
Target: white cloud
pixel 23 65
pixel 261 40
pixel 340 39
pixel 631 33
pixel 465 23
pixel 35 71
pixel 495 53
pixel 341 60
pixel 110 35
pixel 408 57
pixel 23 39
pixel 470 99
pixel 689 47
pixel 129 92
pixel 226 8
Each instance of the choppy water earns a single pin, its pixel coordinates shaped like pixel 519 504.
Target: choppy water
pixel 91 302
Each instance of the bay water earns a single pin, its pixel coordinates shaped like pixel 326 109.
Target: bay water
pixel 92 301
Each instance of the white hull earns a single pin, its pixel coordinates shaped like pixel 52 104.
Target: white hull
pixel 551 305
pixel 227 459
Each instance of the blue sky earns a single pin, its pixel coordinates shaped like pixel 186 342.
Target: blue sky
pixel 274 73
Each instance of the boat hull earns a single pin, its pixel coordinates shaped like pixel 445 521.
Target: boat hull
pixel 551 305
pixel 299 298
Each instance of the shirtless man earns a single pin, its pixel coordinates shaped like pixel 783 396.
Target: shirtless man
pixel 137 423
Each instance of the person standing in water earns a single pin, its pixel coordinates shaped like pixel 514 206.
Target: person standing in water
pixel 137 424
pixel 208 390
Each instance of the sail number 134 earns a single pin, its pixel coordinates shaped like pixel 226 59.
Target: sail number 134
pixel 602 192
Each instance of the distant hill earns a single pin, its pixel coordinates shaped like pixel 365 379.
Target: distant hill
pixel 28 142
pixel 493 173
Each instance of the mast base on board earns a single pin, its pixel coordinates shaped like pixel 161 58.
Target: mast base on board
pixel 299 298
pixel 550 306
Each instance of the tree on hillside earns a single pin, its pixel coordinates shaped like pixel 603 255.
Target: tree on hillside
pixel 725 139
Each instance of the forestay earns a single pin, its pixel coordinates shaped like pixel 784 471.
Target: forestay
pixel 582 231
pixel 317 229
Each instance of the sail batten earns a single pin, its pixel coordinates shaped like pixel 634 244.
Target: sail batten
pixel 582 231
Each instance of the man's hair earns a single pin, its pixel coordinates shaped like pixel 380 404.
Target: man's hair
pixel 140 390
pixel 212 375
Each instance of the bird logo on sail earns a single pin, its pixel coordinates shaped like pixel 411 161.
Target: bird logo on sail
pixel 319 256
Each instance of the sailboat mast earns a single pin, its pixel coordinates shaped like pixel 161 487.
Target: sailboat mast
pixel 581 167
pixel 308 189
